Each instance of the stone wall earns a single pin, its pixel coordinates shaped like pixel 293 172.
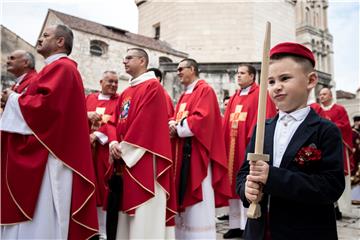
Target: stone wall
pixel 218 31
pixel 352 107
pixel 10 42
pixel 92 67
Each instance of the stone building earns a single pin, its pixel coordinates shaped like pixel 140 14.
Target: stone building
pixel 10 42
pixel 350 101
pixel 99 47
pixel 222 34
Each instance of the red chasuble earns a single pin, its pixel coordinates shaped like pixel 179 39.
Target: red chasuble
pixel 28 78
pixel 54 109
pixel 141 120
pixel 239 121
pixel 169 105
pixel 202 112
pixel 100 153
pixel 338 115
pixel 317 108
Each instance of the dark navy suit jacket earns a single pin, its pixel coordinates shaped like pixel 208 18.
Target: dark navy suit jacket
pixel 301 198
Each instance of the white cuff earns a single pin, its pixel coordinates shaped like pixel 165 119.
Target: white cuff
pixel 12 119
pixel 184 130
pixel 102 138
pixel 112 143
pixel 131 154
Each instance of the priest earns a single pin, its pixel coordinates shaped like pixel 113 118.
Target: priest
pixel 100 106
pixel 22 65
pixel 141 156
pixel 199 155
pixel 47 177
pixel 239 121
pixel 338 115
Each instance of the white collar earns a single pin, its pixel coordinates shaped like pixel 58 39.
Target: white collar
pixel 104 97
pixel 142 78
pixel 190 88
pixel 245 91
pixel 54 57
pixel 326 108
pixel 297 115
pixel 19 79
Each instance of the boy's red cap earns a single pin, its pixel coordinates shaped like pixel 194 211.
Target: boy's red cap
pixel 294 49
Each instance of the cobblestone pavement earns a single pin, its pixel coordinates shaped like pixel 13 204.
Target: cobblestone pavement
pixel 348 227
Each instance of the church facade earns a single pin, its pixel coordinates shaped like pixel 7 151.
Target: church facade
pixel 218 34
pixel 222 34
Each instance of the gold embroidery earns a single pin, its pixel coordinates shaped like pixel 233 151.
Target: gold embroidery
pixel 235 118
pixel 106 118
pixel 181 113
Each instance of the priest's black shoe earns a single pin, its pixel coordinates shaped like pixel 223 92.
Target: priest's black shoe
pixel 233 233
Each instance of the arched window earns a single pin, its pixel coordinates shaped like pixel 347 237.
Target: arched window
pixel 98 48
pixel 165 60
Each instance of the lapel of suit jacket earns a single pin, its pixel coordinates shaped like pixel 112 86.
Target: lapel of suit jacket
pixel 269 137
pixel 301 135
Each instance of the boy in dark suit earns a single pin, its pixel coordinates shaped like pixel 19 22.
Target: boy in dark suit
pixel 297 188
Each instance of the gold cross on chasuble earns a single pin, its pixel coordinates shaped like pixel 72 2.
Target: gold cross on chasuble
pixel 181 113
pixel 235 117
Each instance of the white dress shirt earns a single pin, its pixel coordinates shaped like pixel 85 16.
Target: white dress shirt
pixel 286 126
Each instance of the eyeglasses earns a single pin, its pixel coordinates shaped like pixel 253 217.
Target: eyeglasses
pixel 128 58
pixel 112 81
pixel 182 68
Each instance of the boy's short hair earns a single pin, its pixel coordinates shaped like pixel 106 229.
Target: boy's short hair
pixel 299 53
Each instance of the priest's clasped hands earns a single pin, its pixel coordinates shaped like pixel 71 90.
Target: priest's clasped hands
pixel 258 175
pixel 172 128
pixel 115 152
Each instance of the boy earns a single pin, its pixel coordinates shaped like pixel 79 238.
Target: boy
pixel 304 177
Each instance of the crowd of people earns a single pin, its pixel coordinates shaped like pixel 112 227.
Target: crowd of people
pixel 133 166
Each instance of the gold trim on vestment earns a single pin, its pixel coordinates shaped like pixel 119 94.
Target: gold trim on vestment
pixel 235 118
pixel 156 154
pixel 148 190
pixel 233 135
pixel 87 199
pixel 13 198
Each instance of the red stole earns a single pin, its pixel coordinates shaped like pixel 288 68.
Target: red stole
pixel 203 116
pixel 28 78
pixel 100 153
pixel 338 115
pixel 54 109
pixel 141 120
pixel 239 121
